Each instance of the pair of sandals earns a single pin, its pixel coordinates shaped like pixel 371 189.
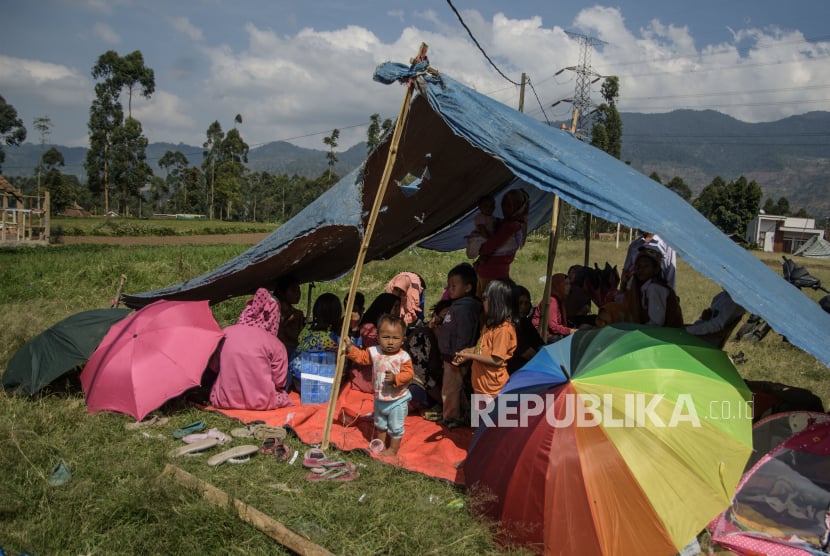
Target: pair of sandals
pixel 237 454
pixel 324 468
pixel 274 446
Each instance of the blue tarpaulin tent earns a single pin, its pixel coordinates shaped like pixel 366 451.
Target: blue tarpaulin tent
pixel 473 145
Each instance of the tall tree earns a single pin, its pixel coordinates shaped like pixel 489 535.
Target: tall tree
pixel 43 125
pixel 118 146
pixel 159 193
pixel 729 206
pixel 191 196
pixel 331 141
pixel 224 161
pixel 679 186
pixel 12 131
pixel 128 71
pixel 62 192
pixel 105 118
pixel 607 131
pixel 129 168
pixel 212 147
pixel 376 131
pixel 174 163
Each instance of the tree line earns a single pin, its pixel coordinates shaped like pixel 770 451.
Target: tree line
pixel 119 180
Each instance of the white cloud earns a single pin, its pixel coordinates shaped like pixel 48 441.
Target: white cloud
pixel 106 33
pixel 307 83
pixel 397 14
pixel 54 83
pixel 183 25
pixel 164 117
pixel 754 77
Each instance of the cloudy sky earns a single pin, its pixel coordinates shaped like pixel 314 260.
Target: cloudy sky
pixel 296 69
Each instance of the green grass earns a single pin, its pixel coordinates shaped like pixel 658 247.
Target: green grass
pixel 118 502
pixel 101 226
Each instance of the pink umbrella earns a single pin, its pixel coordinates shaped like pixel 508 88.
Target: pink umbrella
pixel 151 356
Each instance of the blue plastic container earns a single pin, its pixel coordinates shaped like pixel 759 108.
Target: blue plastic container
pixel 316 376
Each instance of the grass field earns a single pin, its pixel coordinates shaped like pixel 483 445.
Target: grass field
pixel 118 502
pixel 126 227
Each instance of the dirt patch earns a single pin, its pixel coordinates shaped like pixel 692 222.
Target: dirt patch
pixel 215 239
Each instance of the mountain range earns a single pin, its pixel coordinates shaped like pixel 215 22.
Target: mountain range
pixel 787 158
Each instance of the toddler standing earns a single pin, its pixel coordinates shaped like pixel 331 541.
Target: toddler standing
pixel 391 373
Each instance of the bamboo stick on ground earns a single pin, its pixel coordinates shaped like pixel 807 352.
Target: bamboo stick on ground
pixel 246 513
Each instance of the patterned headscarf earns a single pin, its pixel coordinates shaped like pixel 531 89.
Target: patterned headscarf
pixel 262 311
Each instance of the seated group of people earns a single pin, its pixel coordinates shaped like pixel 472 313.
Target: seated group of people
pixel 259 360
pixel 646 296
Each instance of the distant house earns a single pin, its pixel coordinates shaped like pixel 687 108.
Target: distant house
pixel 75 211
pixel 781 234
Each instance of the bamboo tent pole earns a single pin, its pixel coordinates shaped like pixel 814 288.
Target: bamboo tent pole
pixel 364 246
pixel 553 242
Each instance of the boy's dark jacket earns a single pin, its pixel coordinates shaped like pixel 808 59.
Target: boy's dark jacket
pixel 461 326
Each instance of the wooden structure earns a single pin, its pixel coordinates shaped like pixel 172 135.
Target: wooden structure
pixel 23 218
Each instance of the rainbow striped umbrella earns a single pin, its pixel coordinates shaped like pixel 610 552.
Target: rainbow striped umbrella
pixel 623 440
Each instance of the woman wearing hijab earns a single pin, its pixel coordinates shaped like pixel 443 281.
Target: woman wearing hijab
pixel 409 287
pixel 253 364
pixel 557 317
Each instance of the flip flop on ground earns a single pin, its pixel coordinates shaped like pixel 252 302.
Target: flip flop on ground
pixel 153 421
pixel 189 429
pixel 275 447
pixel 237 452
pixel 312 456
pixel 260 431
pixel 212 433
pixel 339 474
pixel 194 448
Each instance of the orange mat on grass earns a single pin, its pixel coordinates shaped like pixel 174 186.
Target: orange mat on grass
pixel 427 447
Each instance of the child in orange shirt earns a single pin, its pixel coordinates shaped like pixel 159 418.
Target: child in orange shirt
pixel 391 374
pixel 497 342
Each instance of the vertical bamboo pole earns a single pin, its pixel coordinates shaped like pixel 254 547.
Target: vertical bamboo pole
pixel 553 241
pixel 47 215
pixel 5 207
pixel 364 246
pixel 31 217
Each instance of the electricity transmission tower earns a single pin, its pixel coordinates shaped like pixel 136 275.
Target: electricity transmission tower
pixel 585 76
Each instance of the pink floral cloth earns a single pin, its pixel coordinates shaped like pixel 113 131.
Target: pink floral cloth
pixel 262 311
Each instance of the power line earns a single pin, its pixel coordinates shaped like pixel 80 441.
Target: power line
pixel 532 88
pixel 469 32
